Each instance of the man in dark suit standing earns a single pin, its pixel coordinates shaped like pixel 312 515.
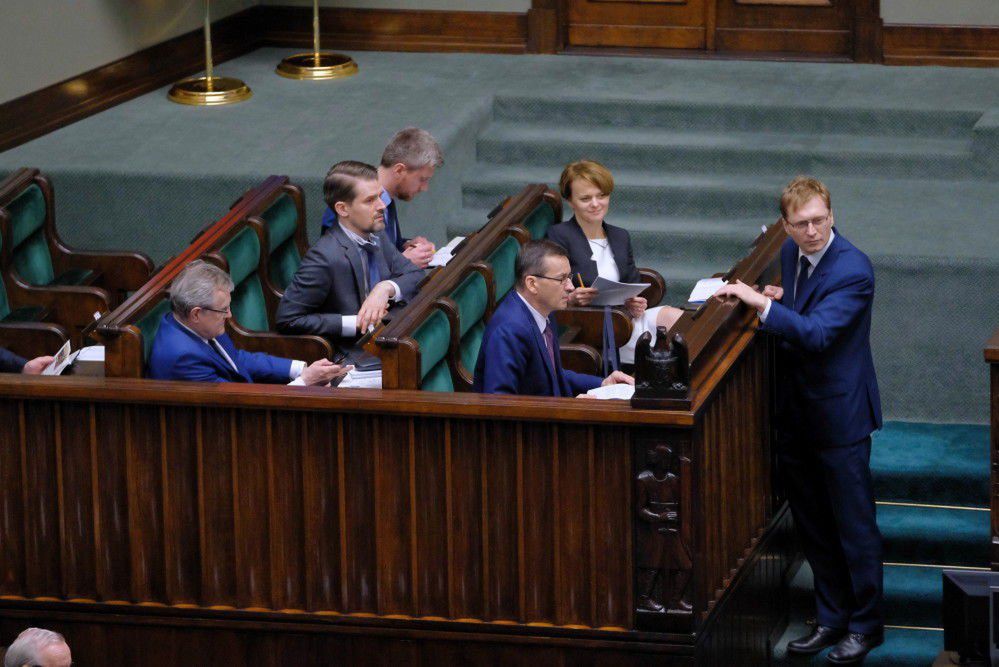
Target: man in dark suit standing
pixel 828 406
pixel 407 165
pixel 12 363
pixel 519 352
pixel 347 279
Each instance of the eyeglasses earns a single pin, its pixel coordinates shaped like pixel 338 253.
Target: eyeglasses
pixel 225 311
pixel 814 222
pixel 559 279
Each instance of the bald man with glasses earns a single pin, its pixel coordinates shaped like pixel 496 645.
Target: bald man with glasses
pixel 520 352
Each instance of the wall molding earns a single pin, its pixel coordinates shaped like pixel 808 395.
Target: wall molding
pixel 964 46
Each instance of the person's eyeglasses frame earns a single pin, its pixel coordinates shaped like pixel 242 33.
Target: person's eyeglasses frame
pixel 226 311
pixel 802 225
pixel 565 279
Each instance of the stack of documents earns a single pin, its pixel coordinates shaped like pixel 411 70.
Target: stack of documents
pixel 356 379
pixel 613 293
pixel 444 255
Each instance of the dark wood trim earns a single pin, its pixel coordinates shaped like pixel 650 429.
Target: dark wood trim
pixel 398 29
pixel 43 111
pixel 959 46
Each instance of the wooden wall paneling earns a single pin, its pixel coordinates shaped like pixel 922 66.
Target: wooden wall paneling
pixel 796 28
pixel 360 550
pixel 181 535
pixel 250 445
pixel 287 435
pixel 499 520
pixel 429 480
pixel 145 431
pixel 960 46
pixel 110 486
pixel 40 444
pixel 77 502
pixel 573 513
pixel 323 500
pixel 611 515
pixel 540 452
pixel 12 483
pixel 465 508
pixel 216 507
pixel 392 447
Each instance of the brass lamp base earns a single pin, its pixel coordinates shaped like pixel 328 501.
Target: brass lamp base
pixel 197 92
pixel 317 66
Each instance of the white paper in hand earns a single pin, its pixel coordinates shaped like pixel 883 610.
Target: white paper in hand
pixel 446 254
pixel 705 289
pixel 622 391
pixel 613 293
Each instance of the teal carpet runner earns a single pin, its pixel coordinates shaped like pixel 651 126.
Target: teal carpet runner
pixel 931 483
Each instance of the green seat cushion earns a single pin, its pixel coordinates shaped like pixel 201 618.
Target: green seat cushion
pixel 472 297
pixel 539 220
pixel 29 248
pixel 503 261
pixel 281 219
pixel 438 379
pixel 27 314
pixel 433 337
pixel 74 277
pixel 470 344
pixel 149 324
pixel 249 307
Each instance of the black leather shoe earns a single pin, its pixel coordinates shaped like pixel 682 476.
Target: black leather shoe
pixel 854 647
pixel 821 637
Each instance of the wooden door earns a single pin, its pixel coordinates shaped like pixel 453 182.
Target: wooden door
pixel 661 24
pixel 817 27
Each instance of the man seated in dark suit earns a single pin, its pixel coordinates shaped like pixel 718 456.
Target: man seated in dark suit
pixel 828 405
pixel 191 343
pixel 347 279
pixel 407 165
pixel 12 363
pixel 520 353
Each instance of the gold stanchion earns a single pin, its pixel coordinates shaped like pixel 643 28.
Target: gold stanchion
pixel 318 64
pixel 209 90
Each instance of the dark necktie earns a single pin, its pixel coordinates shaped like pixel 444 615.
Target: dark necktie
pixel 392 223
pixel 222 353
pixel 549 336
pixel 374 274
pixel 802 277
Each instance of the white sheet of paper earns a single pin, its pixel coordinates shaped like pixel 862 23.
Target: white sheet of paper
pixel 59 361
pixel 614 293
pixel 362 380
pixel 91 353
pixel 705 289
pixel 445 254
pixel 621 391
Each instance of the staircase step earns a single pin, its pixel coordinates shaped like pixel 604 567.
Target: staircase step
pixel 913 595
pixel 732 152
pixel 903 647
pixel 934 536
pixel 931 463
pixel 725 116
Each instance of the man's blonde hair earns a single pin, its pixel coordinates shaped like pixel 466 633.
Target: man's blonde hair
pixel 798 193
pixel 594 172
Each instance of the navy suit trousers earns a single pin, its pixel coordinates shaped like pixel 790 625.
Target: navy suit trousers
pixel 832 500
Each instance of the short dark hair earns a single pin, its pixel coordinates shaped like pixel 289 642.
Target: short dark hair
pixel 531 258
pixel 342 178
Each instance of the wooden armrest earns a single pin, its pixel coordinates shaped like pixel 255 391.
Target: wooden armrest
pixel 303 348
pixel 32 339
pixel 581 359
pixel 590 322
pixel 656 290
pixel 72 306
pixel 125 271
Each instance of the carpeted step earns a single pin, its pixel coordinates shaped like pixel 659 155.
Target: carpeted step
pixel 902 648
pixel 934 536
pixel 913 595
pixel 932 463
pixel 720 116
pixel 732 152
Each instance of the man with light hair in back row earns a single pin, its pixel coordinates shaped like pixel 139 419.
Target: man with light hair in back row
pixel 36 647
pixel 407 165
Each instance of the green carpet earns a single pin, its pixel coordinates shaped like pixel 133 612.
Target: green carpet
pixel 700 150
pixel 919 464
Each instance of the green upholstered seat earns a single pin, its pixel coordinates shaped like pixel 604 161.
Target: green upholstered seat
pixel 249 307
pixel 149 324
pixel 434 337
pixel 281 219
pixel 502 260
pixel 472 298
pixel 30 248
pixel 539 220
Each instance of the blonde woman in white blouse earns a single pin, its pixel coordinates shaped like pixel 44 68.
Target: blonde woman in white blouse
pixel 598 249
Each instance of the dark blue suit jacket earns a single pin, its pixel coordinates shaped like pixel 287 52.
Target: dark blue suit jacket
pixel 570 236
pixel 10 362
pixel 827 389
pixel 513 358
pixel 178 354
